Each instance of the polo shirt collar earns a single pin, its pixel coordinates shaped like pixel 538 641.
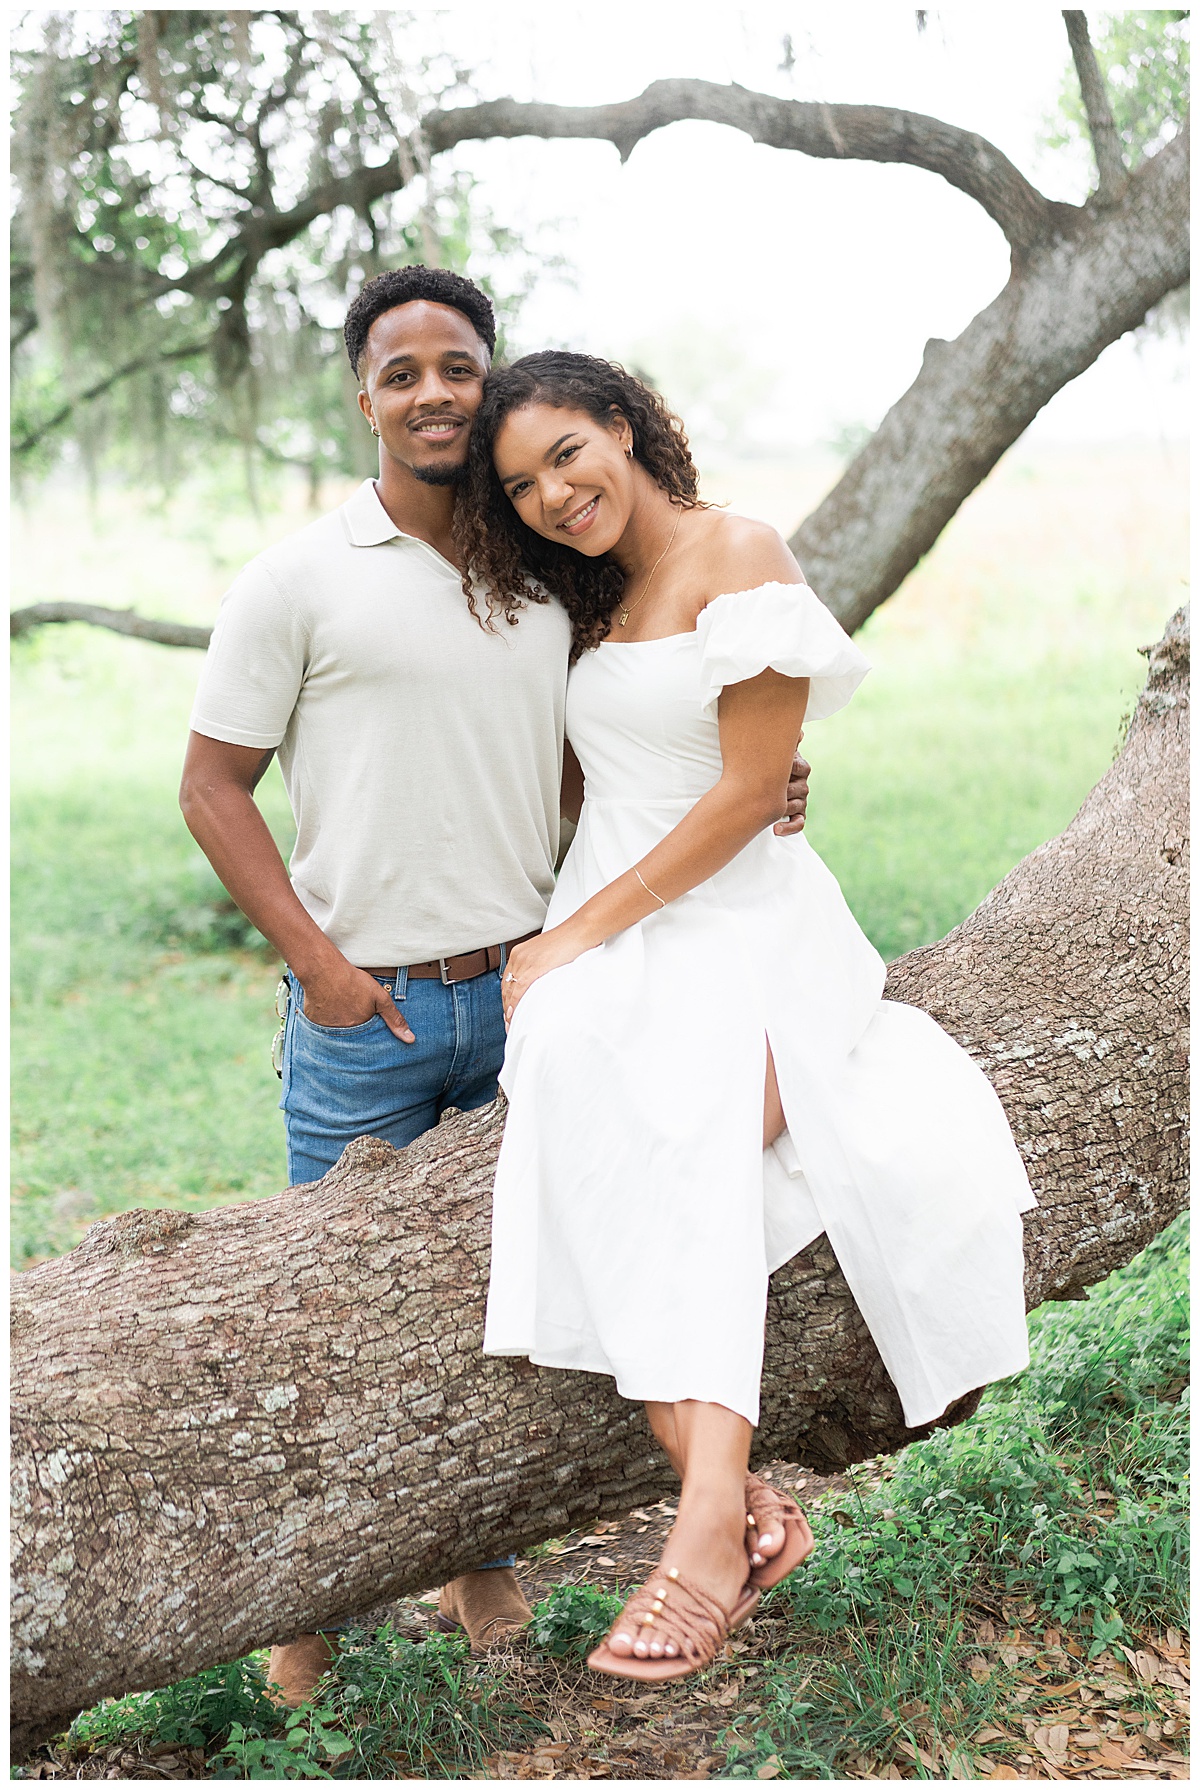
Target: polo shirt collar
pixel 367 522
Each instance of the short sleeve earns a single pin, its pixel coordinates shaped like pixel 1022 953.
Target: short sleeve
pixel 255 664
pixel 786 627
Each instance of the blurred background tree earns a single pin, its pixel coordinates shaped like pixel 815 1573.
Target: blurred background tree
pixel 1144 57
pixel 198 195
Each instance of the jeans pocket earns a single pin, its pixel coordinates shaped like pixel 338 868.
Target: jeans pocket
pixel 364 1025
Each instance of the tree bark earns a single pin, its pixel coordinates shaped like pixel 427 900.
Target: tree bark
pixel 840 132
pixel 235 1425
pixel 1106 142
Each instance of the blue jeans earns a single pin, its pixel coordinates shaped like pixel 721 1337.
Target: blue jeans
pixel 343 1082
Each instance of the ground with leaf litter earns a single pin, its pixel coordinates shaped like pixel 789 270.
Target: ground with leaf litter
pixel 1058 1713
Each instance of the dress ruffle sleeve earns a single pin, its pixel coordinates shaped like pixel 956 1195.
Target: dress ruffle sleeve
pixel 786 627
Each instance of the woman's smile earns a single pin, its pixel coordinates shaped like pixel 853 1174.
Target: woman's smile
pixel 582 518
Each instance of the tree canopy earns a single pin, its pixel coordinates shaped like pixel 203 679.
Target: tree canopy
pixel 199 193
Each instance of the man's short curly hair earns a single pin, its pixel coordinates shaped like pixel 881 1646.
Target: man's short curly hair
pixel 400 286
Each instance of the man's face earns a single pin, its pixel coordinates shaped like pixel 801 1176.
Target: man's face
pixel 423 371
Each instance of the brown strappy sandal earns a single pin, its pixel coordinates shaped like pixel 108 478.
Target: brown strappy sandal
pixel 678 1612
pixel 768 1510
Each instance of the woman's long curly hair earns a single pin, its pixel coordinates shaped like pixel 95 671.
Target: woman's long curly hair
pixel 518 566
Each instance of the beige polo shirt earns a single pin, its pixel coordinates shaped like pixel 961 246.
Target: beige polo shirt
pixel 422 753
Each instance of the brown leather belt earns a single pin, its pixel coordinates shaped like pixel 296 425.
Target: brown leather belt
pixel 453 969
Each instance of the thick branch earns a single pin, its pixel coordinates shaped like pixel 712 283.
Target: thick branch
pixel 847 133
pixel 258 236
pixel 863 133
pixel 975 396
pixel 121 621
pixel 232 1426
pixel 1106 144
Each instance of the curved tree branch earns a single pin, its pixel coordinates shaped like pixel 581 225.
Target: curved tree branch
pixel 121 621
pixel 1106 144
pixel 975 396
pixel 846 133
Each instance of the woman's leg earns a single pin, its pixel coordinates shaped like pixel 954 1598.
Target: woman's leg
pixel 774 1122
pixel 662 1422
pixel 707 1542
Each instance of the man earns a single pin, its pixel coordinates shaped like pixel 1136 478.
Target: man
pixel 422 755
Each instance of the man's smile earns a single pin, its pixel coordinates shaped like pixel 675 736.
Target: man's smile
pixel 438 428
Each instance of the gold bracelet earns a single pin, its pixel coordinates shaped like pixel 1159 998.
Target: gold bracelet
pixel 647 888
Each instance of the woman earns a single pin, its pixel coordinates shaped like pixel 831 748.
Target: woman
pixel 702 1075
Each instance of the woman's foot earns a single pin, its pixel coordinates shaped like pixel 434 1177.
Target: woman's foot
pixel 707 1550
pixel 687 1626
pixel 777 1538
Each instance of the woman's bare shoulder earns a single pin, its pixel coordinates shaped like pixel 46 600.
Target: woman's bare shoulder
pixel 742 553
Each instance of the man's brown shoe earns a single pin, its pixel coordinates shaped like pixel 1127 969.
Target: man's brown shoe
pixel 490 1605
pixel 293 1670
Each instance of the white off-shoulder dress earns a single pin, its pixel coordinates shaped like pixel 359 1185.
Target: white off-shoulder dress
pixel 636 1214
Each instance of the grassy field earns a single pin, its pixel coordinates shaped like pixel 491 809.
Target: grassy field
pixel 1004 1601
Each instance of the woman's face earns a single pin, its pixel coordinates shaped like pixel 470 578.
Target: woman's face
pixel 569 477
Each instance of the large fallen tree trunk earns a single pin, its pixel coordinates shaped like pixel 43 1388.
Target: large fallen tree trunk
pixel 235 1425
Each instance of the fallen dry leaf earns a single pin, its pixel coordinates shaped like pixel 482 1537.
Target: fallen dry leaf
pixel 1063 1690
pixel 916 1754
pixel 1052 1742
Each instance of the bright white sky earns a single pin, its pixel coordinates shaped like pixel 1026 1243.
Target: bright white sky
pixel 782 296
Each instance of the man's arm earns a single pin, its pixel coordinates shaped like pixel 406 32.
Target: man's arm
pixel 217 799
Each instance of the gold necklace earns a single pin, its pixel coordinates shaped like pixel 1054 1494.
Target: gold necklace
pixel 626 613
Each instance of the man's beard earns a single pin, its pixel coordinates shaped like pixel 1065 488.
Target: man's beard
pixel 439 475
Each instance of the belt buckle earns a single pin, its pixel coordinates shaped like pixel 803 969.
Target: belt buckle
pixel 447 981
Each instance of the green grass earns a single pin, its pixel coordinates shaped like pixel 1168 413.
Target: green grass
pixel 143 1022
pixel 573 1620
pixel 1065 1495
pixel 389 1708
pixel 924 796
pixel 143 1003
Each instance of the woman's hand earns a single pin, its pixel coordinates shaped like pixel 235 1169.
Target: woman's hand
pixel 534 959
